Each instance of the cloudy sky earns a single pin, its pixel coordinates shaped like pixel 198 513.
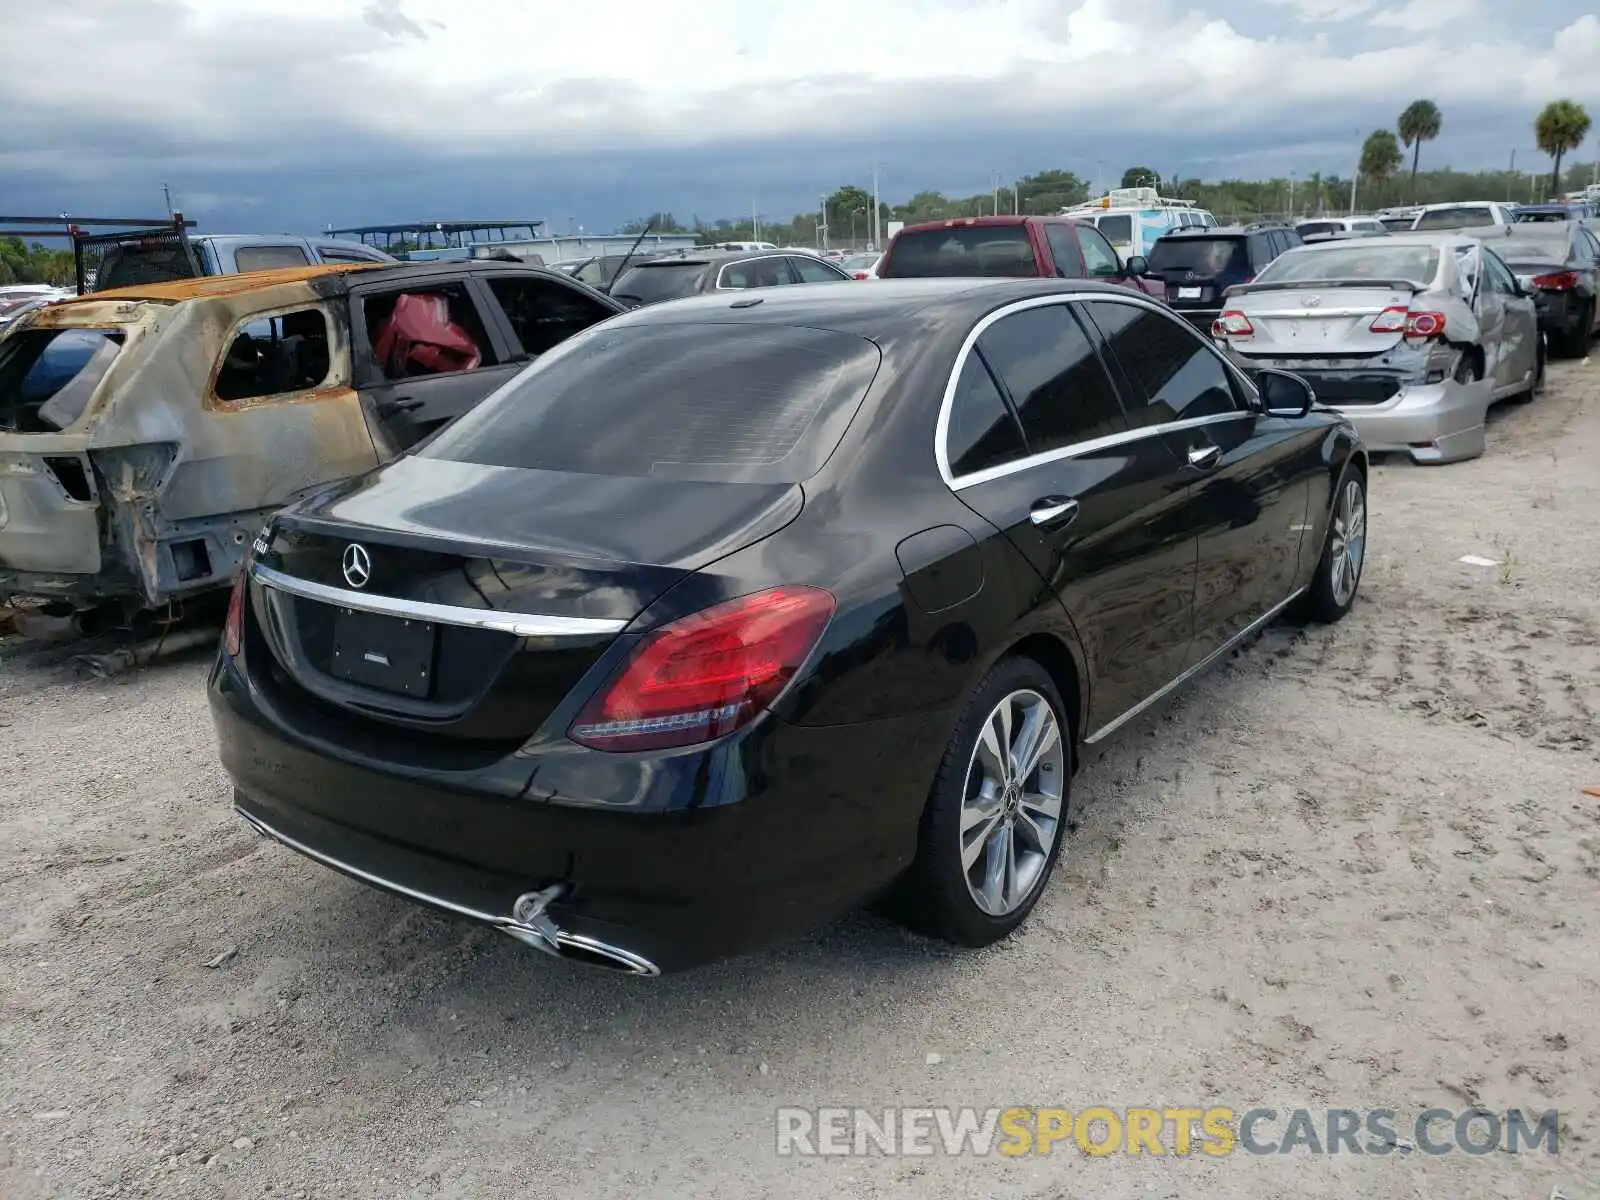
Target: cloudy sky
pixel 289 114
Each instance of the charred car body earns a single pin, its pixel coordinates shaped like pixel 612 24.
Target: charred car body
pixel 1411 336
pixel 146 433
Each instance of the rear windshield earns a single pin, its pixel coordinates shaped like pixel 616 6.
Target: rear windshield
pixel 130 264
pixel 1455 218
pixel 719 403
pixel 1529 252
pixel 1210 257
pixel 1524 217
pixel 1375 259
pixel 1116 229
pixel 1002 251
pixel 47 376
pixel 650 284
pixel 1313 227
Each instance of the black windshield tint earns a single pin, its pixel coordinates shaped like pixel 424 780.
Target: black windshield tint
pixel 1208 257
pixel 721 403
pixel 963 250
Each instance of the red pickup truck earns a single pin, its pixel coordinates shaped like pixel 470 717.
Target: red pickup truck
pixel 1011 247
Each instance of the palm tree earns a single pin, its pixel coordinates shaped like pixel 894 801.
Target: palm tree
pixel 1562 126
pixel 1419 123
pixel 1380 156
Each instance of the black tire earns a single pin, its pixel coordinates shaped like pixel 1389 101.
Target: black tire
pixel 1468 369
pixel 1326 601
pixel 934 897
pixel 1574 342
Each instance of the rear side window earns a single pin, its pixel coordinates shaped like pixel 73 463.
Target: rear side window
pixel 1060 390
pixel 1174 375
pixel 756 273
pixel 982 431
pixel 1117 230
pixel 269 258
pixel 973 251
pixel 814 270
pixel 1064 249
pixel 48 376
pixel 720 403
pixel 271 356
pixel 654 283
pixel 1209 257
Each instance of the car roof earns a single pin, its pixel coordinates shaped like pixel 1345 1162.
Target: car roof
pixel 889 308
pixel 210 286
pixel 1403 238
pixel 671 258
pixel 999 220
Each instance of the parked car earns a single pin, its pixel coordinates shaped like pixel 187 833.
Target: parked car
pixel 145 258
pixel 1196 266
pixel 1532 214
pixel 1326 225
pixel 1133 219
pixel 1474 214
pixel 146 433
pixel 862 266
pixel 1412 336
pixel 16 300
pixel 1013 247
pixel 674 276
pixel 725 617
pixel 600 271
pixel 1558 264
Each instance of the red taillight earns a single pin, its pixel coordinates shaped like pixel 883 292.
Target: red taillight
pixel 1560 281
pixel 1235 322
pixel 1424 324
pixel 860 275
pixel 1390 320
pixel 707 674
pixel 233 628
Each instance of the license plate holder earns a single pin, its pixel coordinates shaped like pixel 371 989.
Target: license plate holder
pixel 392 654
pixel 1193 293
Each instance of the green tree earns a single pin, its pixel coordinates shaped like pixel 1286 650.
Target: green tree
pixel 1141 177
pixel 1050 191
pixel 1561 127
pixel 1420 122
pixel 661 222
pixel 848 206
pixel 1380 156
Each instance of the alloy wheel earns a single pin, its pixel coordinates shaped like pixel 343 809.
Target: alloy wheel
pixel 1012 811
pixel 1349 542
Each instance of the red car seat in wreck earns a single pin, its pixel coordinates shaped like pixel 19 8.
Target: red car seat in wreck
pixel 418 338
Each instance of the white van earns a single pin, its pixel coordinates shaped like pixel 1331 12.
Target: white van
pixel 1133 218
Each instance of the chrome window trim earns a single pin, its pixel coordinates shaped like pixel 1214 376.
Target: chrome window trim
pixel 941 432
pixel 518 624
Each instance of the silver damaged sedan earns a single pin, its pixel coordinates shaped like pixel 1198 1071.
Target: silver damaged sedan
pixel 1412 336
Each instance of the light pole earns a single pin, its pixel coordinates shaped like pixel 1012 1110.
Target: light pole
pixel 822 223
pixel 877 208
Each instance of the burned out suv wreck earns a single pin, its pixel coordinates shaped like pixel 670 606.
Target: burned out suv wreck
pixel 147 432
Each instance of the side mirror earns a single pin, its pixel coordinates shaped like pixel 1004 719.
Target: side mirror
pixel 1284 394
pixel 1135 266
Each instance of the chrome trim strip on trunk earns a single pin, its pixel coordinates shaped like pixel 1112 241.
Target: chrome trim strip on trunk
pixel 542 933
pixel 519 624
pixel 1191 672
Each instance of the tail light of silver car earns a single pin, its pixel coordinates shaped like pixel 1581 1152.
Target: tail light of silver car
pixel 1415 325
pixel 708 674
pixel 1233 323
pixel 1559 281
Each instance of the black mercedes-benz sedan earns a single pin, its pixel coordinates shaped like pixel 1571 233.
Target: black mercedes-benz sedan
pixel 730 614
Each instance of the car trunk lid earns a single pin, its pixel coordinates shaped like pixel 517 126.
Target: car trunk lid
pixel 447 600
pixel 1326 318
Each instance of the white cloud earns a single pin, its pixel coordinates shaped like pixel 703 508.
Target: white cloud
pixel 269 77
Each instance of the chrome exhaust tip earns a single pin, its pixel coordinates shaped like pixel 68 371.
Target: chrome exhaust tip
pixel 532 925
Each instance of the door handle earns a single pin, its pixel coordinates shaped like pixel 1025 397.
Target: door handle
pixel 1053 510
pixel 1203 458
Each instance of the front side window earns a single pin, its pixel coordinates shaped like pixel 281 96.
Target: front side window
pixel 718 403
pixel 1098 257
pixel 434 329
pixel 982 432
pixel 1174 374
pixel 544 313
pixel 1500 279
pixel 269 258
pixel 276 355
pixel 1055 378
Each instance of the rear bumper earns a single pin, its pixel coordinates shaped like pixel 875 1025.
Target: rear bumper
pixel 703 855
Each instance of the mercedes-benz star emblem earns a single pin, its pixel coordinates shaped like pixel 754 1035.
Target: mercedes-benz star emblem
pixel 357 565
pixel 1313 301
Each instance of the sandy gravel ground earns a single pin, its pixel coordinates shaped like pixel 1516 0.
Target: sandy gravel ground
pixel 1353 868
